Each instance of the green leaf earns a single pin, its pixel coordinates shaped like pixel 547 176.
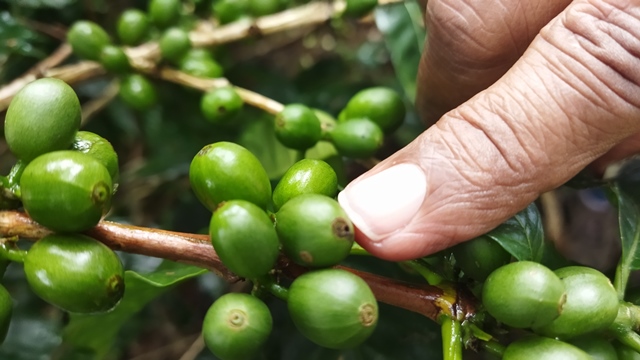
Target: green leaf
pixel 629 222
pixel 97 333
pixel 18 39
pixel 404 34
pixel 259 137
pixel 522 235
pixel 628 204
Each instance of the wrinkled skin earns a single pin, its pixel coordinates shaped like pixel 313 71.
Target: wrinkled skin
pixel 520 96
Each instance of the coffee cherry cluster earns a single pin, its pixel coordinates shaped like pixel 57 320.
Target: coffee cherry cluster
pixel 567 311
pixel 249 227
pixel 64 179
pixel 359 131
pixel 161 23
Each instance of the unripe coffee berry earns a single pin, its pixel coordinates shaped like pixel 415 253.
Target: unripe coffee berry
pixel 66 191
pixel 44 116
pixel 358 8
pixel 114 59
pixel 314 230
pixel 164 13
pixel 221 104
pixel 205 67
pixel 236 326
pixel 75 273
pixel 259 8
pixel 333 308
pixel 357 138
pixel 381 105
pixel 87 39
pixel 174 44
pixel 244 238
pixel 591 306
pixel 227 11
pixel 138 92
pixel 524 294
pixel 100 149
pixel 306 176
pixel 535 348
pixel 6 311
pixel 226 171
pixel 479 257
pixel 298 127
pixel 132 27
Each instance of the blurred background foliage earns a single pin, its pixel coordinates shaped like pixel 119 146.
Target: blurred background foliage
pixel 160 316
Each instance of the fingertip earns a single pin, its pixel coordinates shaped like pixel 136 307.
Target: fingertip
pixel 382 203
pixel 401 246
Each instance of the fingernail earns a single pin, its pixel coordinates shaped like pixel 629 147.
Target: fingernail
pixel 385 202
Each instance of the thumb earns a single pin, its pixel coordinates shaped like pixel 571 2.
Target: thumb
pixel 572 96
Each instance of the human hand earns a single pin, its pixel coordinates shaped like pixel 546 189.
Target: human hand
pixel 539 90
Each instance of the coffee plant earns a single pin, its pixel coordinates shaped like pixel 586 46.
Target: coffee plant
pixel 172 168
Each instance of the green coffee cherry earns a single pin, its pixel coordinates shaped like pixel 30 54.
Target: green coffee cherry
pixel 259 8
pixel 298 127
pixel 132 27
pixel 198 54
pixel 597 347
pixel 327 121
pixel 244 238
pixel 626 353
pixel 592 304
pixel 164 13
pixel 6 311
pixel 66 191
pixel 87 39
pixel 333 308
pixel 100 149
pixel 194 64
pixel 524 294
pixel 307 176
pixel 227 11
pixel 44 116
pixel 75 273
pixel 227 171
pixel 138 92
pixel 236 326
pixel 314 230
pixel 536 348
pixel 358 8
pixel 381 105
pixel 480 257
pixel 114 59
pixel 174 44
pixel 220 105
pixel 357 138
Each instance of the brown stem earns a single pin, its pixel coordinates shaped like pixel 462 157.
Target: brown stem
pixel 430 301
pixel 145 57
pixel 312 14
pixel 252 98
pixel 56 31
pixel 94 106
pixel 8 91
